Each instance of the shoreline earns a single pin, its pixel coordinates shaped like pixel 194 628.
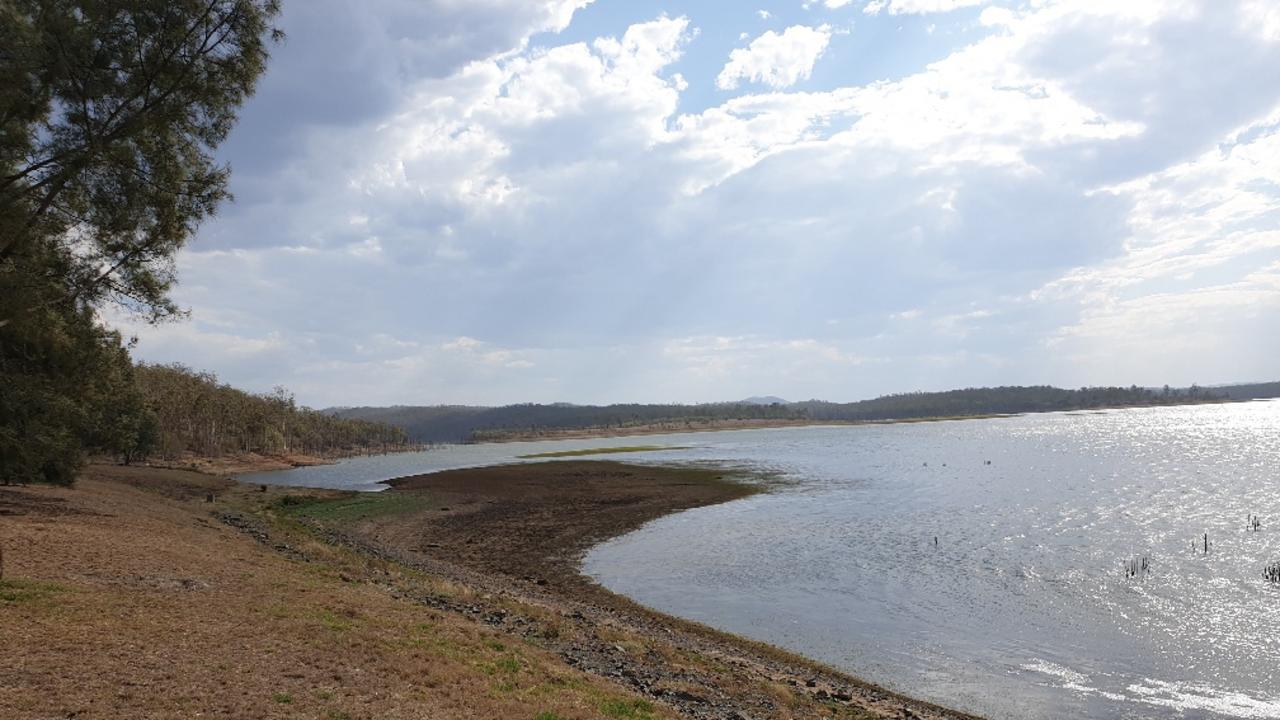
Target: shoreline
pixel 644 430
pixel 522 530
pixel 246 463
pixel 454 595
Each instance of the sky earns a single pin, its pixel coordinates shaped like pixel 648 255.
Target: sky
pixel 497 201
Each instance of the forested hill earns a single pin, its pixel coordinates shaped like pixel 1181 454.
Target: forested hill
pixel 457 423
pixel 464 423
pixel 1251 391
pixel 192 413
pixel 1000 400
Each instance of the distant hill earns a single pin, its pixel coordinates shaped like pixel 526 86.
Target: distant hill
pixel 433 424
pixel 764 400
pixel 1252 391
pixel 460 423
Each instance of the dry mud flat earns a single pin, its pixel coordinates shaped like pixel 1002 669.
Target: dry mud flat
pixel 454 596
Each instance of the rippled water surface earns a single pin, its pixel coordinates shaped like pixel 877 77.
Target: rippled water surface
pixel 1023 607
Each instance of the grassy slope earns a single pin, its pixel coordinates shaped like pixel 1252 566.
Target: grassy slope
pixel 124 598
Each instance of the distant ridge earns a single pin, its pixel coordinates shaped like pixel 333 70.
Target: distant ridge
pixel 460 423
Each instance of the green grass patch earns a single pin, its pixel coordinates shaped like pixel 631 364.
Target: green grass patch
pixel 283 698
pixel 27 592
pixel 357 507
pixel 633 709
pixel 333 621
pixel 603 451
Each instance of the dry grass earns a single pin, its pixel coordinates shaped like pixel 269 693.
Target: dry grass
pixel 133 603
pixel 127 598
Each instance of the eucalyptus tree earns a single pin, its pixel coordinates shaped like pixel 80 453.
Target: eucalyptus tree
pixel 110 114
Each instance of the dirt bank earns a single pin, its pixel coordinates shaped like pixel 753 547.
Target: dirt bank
pixel 243 463
pixel 536 520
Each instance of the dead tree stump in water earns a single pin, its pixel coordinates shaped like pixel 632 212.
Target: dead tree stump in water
pixel 1272 573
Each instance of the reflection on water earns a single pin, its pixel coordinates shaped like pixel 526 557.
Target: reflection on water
pixel 1023 608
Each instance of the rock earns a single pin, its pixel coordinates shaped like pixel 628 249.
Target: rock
pixel 686 696
pixel 811 682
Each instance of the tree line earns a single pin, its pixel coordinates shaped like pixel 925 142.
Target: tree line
pixel 194 413
pixel 1000 401
pixel 135 413
pixel 460 423
pixel 447 424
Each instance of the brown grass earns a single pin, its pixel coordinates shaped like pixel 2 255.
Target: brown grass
pixel 136 603
pixel 134 596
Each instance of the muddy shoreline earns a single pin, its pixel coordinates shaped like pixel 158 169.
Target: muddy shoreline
pixel 520 531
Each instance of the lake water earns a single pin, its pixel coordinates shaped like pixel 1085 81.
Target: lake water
pixel 1023 607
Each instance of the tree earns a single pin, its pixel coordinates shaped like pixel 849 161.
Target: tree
pixel 110 112
pixel 68 386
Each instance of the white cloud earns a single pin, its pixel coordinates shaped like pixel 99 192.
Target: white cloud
pixel 776 60
pixel 976 107
pixel 547 223
pixel 917 7
pixel 1262 17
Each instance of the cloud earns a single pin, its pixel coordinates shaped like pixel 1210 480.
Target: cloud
pixel 1199 277
pixel 387 46
pixel 776 60
pixel 545 218
pixel 917 7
